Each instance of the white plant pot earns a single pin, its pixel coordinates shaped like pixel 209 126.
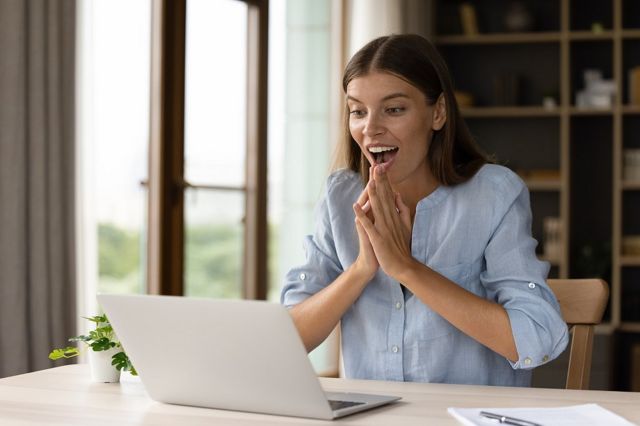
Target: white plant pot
pixel 101 369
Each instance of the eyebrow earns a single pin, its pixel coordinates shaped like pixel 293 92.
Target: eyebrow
pixel 386 98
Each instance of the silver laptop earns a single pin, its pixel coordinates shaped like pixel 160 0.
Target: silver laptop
pixel 228 354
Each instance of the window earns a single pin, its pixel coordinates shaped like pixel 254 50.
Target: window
pixel 215 125
pixel 113 125
pixel 215 147
pixel 207 223
pixel 206 137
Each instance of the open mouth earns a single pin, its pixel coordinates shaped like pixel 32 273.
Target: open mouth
pixel 383 154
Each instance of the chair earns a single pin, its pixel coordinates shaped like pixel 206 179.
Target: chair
pixel 582 302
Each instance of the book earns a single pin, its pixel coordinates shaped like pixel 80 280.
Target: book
pixel 634 86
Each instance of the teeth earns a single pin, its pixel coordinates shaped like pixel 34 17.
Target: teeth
pixel 377 149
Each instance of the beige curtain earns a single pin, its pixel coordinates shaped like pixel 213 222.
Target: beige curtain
pixel 37 306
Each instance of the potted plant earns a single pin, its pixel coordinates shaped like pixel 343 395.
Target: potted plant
pixel 106 357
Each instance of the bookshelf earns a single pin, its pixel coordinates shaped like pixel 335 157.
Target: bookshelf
pixel 597 205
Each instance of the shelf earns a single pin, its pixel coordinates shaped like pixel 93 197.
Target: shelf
pixel 543 185
pixel 499 38
pixel 590 111
pixel 631 34
pixel 605 328
pixel 631 326
pixel 532 37
pixel 630 185
pixel 629 260
pixel 590 35
pixel 510 111
pixel 631 109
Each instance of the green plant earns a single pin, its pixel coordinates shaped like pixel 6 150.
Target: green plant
pixel 102 338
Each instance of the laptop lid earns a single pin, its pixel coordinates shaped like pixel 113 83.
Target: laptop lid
pixel 229 354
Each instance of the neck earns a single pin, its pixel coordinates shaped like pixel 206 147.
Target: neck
pixel 415 188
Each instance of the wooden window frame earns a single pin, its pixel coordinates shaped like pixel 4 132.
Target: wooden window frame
pixel 165 237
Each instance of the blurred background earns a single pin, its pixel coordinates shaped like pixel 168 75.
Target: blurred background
pixel 180 147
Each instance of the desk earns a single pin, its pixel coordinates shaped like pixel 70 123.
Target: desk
pixel 65 395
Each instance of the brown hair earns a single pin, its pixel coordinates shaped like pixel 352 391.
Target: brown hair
pixel 454 156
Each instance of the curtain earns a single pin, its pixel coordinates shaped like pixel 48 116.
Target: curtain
pixel 37 282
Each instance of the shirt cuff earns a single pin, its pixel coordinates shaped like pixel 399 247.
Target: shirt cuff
pixel 531 350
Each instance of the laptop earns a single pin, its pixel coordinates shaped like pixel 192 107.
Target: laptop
pixel 237 355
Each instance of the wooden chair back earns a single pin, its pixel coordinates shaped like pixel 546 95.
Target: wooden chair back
pixel 582 302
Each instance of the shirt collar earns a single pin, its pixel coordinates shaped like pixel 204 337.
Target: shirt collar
pixel 434 198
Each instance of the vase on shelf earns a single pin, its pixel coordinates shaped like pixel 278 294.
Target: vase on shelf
pixel 518 18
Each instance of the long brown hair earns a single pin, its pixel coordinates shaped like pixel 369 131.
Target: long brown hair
pixel 454 156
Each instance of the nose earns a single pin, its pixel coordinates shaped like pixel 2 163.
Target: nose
pixel 373 126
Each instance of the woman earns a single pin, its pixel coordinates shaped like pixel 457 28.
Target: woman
pixel 423 249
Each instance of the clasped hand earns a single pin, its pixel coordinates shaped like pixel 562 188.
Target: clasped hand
pixel 383 223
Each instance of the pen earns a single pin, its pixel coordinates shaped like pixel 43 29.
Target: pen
pixel 508 420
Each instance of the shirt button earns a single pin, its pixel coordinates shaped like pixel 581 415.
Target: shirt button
pixel 398 305
pixel 545 358
pixel 532 285
pixel 527 361
pixel 394 349
pixel 303 276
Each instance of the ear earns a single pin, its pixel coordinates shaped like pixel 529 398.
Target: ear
pixel 439 113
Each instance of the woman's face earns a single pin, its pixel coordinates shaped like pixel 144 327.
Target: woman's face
pixel 393 124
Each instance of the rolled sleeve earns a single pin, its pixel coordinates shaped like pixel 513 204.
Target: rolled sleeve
pixel 537 342
pixel 308 279
pixel 516 279
pixel 322 265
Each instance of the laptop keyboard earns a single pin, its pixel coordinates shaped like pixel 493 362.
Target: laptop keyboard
pixel 337 405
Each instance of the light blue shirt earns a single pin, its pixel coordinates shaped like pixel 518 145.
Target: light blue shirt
pixel 477 234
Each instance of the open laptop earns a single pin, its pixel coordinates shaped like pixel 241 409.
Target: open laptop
pixel 229 354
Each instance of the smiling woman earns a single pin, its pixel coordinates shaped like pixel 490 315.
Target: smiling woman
pixel 392 123
pixel 423 250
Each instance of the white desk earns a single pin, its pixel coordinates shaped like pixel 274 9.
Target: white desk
pixel 65 395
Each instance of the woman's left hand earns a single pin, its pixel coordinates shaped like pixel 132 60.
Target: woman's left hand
pixel 390 231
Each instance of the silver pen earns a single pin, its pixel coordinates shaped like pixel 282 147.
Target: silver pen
pixel 508 420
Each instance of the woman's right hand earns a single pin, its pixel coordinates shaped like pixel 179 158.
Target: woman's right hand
pixel 366 263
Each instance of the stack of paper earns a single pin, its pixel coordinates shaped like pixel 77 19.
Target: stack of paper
pixel 576 415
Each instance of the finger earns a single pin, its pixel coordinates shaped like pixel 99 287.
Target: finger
pixel 364 221
pixel 363 237
pixel 403 210
pixel 363 201
pixel 362 234
pixel 386 196
pixel 363 198
pixel 378 214
pixel 374 201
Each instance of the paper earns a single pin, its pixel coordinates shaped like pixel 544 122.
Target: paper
pixel 575 415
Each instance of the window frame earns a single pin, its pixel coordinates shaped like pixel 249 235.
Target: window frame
pixel 165 238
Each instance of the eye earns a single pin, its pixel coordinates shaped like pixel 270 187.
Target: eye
pixel 357 113
pixel 395 110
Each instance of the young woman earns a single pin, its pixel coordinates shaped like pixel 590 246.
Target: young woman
pixel 423 249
